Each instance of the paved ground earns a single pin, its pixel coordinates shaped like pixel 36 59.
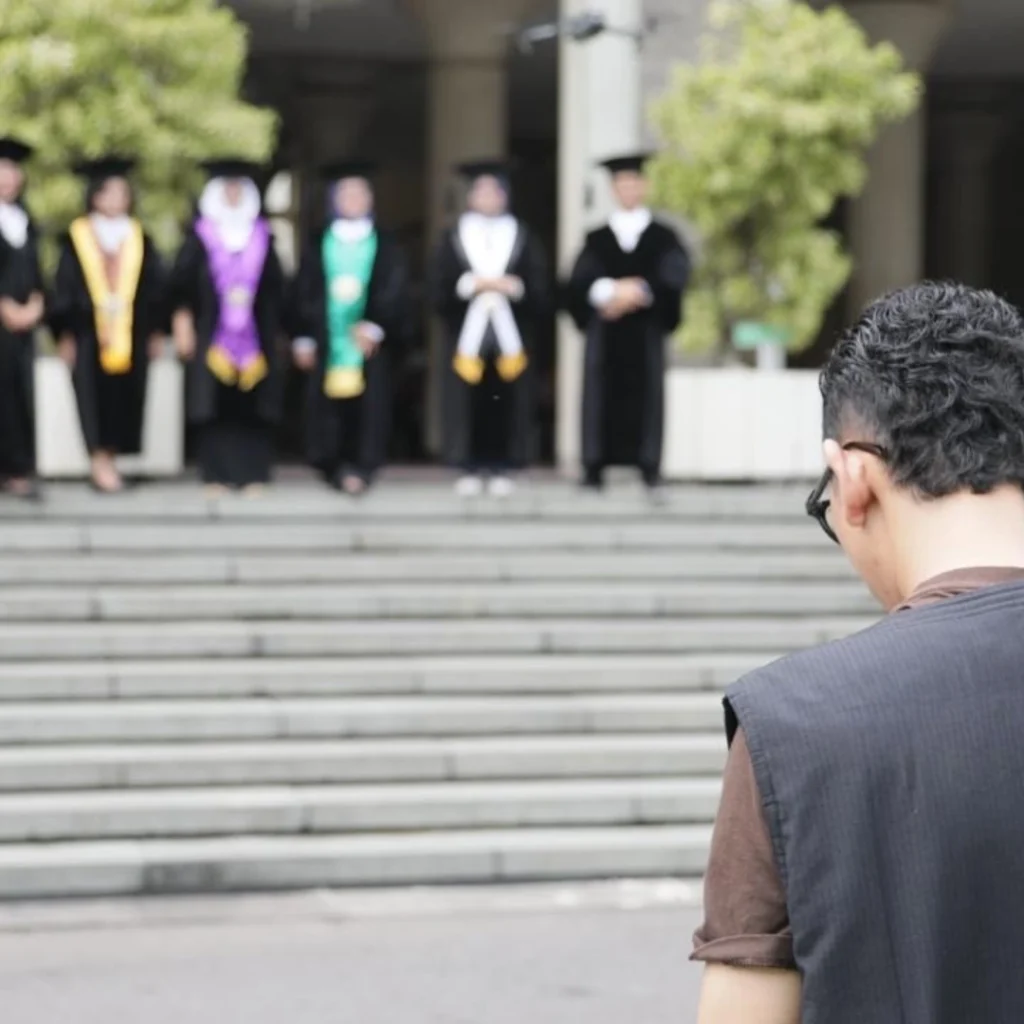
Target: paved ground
pixel 542 966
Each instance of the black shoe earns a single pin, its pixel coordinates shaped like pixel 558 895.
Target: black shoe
pixel 593 480
pixel 333 479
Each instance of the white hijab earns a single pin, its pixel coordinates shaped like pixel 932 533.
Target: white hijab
pixel 234 223
pixel 13 224
pixel 488 242
pixel 352 231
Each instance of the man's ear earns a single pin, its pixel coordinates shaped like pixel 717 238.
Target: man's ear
pixel 852 493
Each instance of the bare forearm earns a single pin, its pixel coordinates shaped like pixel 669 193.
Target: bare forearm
pixel 748 995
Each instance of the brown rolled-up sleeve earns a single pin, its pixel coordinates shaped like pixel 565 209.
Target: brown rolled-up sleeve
pixel 746 923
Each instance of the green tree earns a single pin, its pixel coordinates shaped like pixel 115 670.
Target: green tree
pixel 154 78
pixel 761 137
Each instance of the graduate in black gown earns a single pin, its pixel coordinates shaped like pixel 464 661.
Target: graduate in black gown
pixel 626 294
pixel 226 294
pixel 108 316
pixel 21 310
pixel 490 286
pixel 349 322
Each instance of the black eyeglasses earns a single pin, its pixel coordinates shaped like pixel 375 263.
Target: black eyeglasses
pixel 818 505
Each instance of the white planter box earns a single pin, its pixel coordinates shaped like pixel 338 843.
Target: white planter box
pixel 60 449
pixel 741 424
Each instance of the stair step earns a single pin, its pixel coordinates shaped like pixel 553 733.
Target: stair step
pixel 359 717
pixel 296 501
pixel 467 536
pixel 249 863
pixel 270 677
pixel 332 762
pixel 233 639
pixel 147 814
pixel 750 567
pixel 432 600
pixel 302 691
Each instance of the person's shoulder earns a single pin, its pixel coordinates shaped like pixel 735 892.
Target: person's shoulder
pixel 314 237
pixel 449 239
pixel 387 239
pixel 664 232
pixel 76 224
pixel 600 241
pixel 837 651
pixel 527 236
pixel 823 674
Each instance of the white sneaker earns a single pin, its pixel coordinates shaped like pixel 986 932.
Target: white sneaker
pixel 502 487
pixel 469 487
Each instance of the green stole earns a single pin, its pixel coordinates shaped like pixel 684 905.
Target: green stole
pixel 348 267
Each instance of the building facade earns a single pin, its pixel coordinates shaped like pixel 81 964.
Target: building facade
pixel 421 84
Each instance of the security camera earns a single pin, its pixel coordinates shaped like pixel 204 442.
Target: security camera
pixel 583 27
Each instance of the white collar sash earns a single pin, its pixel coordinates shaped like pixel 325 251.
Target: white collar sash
pixel 13 225
pixel 235 224
pixel 489 245
pixel 629 226
pixel 349 232
pixel 110 232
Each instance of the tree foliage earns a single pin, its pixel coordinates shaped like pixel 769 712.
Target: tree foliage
pixel 761 137
pixel 158 79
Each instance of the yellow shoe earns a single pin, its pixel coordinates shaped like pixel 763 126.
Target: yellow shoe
pixel 511 368
pixel 469 368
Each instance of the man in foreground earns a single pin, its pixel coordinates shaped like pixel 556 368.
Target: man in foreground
pixel 868 860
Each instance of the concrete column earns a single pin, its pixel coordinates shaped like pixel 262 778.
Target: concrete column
pixel 330 128
pixel 964 147
pixel 887 222
pixel 600 114
pixel 467 117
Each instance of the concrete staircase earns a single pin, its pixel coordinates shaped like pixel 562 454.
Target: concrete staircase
pixel 296 691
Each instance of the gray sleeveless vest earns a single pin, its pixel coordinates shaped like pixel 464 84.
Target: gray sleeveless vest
pixel 891 772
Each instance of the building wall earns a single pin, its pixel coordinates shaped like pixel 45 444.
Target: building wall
pixel 677 25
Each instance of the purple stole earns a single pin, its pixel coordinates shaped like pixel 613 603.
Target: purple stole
pixel 235 356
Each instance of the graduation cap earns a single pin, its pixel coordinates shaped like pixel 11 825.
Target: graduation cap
pixel 233 167
pixel 105 167
pixel 14 149
pixel 492 168
pixel 342 169
pixel 627 163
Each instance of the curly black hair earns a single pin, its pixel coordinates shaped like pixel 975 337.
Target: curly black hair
pixel 935 374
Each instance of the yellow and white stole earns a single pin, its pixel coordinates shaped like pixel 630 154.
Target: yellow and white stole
pixel 115 307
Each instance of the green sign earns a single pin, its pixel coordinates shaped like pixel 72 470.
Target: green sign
pixel 749 334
